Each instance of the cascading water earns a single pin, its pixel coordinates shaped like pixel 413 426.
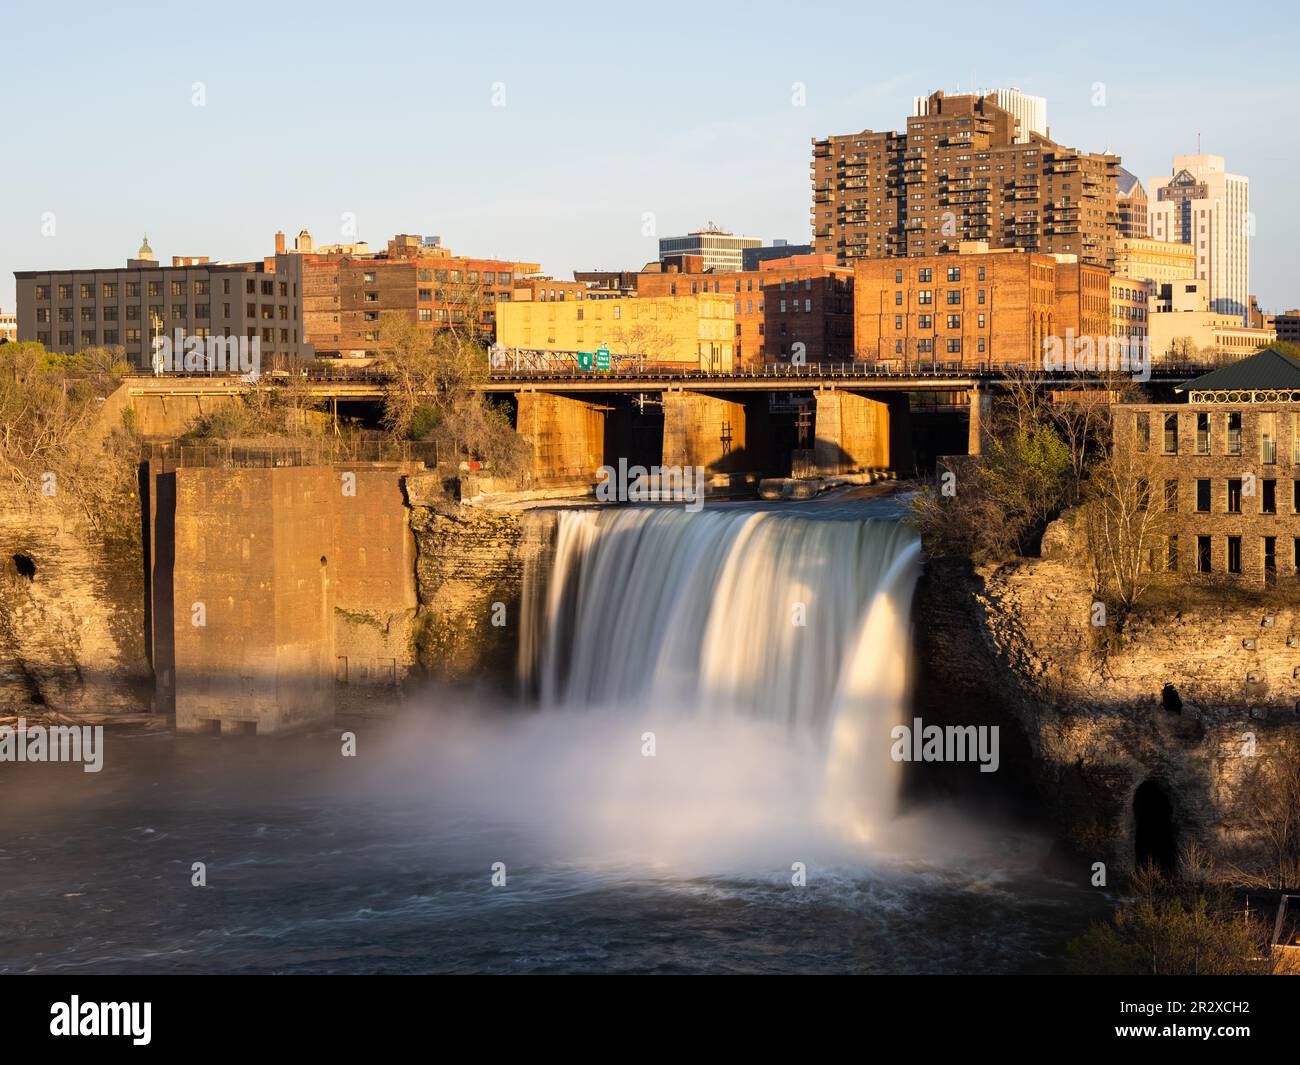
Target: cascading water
pixel 796 621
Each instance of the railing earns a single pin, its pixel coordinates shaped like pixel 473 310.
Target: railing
pixel 333 451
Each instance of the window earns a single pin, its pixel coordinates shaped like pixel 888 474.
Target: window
pixel 1268 497
pixel 1171 434
pixel 178 312
pixel 42 292
pixel 954 346
pixel 1268 438
pixel 1234 434
pixel 87 292
pixel 898 298
pixel 1234 554
pixel 898 321
pixel 1171 495
pixel 924 321
pixel 954 273
pixel 954 296
pixel 898 277
pixel 178 288
pixel 981 277
pixel 1202 433
pixel 132 289
pixel 954 321
pixel 1234 495
pixel 1171 554
pixel 1202 554
pixel 109 290
pixel 925 297
pixel 1270 557
pixel 200 288
pixel 1203 496
pixel 65 292
pixel 1142 430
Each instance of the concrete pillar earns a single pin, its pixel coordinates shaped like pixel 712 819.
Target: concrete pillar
pixel 852 432
pixel 981 408
pixel 704 430
pixel 567 437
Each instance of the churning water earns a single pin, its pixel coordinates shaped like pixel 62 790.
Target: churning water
pixel 701 783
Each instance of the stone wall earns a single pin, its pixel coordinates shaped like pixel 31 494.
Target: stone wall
pixel 1178 699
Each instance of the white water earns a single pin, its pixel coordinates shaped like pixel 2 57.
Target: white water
pixel 730 616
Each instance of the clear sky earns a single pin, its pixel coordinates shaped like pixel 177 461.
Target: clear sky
pixel 386 111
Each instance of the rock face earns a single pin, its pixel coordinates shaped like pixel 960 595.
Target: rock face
pixel 470 566
pixel 71 618
pixel 1192 701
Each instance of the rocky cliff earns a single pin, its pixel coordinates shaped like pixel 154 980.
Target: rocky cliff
pixel 71 618
pixel 470 566
pixel 1194 700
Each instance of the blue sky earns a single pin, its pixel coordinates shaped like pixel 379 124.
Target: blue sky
pixel 385 111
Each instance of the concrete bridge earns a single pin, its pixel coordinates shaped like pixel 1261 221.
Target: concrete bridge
pixel 827 418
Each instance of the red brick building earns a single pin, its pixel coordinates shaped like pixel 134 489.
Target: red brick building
pixel 345 295
pixel 975 308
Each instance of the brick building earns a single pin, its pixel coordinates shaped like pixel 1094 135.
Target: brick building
pixel 71 310
pixel 958 173
pixel 975 308
pixel 1227 460
pixel 345 294
pixel 800 299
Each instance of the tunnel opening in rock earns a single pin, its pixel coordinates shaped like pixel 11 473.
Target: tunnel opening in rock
pixel 25 565
pixel 1154 838
pixel 1171 700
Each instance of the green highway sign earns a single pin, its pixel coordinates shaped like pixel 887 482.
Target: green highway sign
pixel 602 358
pixel 584 360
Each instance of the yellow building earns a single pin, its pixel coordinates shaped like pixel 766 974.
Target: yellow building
pixel 682 331
pixel 1157 261
pixel 1192 336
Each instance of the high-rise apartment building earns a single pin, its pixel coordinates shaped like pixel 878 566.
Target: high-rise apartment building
pixel 1131 206
pixel 1202 205
pixel 1157 261
pixel 959 174
pixel 719 249
pixel 1030 112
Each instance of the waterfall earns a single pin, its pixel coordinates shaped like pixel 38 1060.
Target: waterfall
pixel 799 621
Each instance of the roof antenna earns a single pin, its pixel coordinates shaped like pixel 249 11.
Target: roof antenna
pixel 1198 142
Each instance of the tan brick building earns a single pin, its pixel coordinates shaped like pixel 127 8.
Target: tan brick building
pixel 345 295
pixel 975 308
pixel 1227 460
pixel 128 307
pixel 957 174
pixel 801 299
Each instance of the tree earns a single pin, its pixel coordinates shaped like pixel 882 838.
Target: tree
pixel 433 392
pixel 1169 929
pixel 1127 522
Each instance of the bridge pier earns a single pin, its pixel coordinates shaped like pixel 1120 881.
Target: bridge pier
pixel 704 430
pixel 567 437
pixel 981 410
pixel 856 432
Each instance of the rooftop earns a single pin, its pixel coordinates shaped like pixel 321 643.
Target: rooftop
pixel 1269 369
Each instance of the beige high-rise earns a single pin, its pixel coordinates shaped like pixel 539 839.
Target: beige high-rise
pixel 1201 204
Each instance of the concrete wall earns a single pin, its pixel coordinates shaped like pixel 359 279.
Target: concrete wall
pixel 307 594
pixel 567 437
pixel 704 430
pixel 852 433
